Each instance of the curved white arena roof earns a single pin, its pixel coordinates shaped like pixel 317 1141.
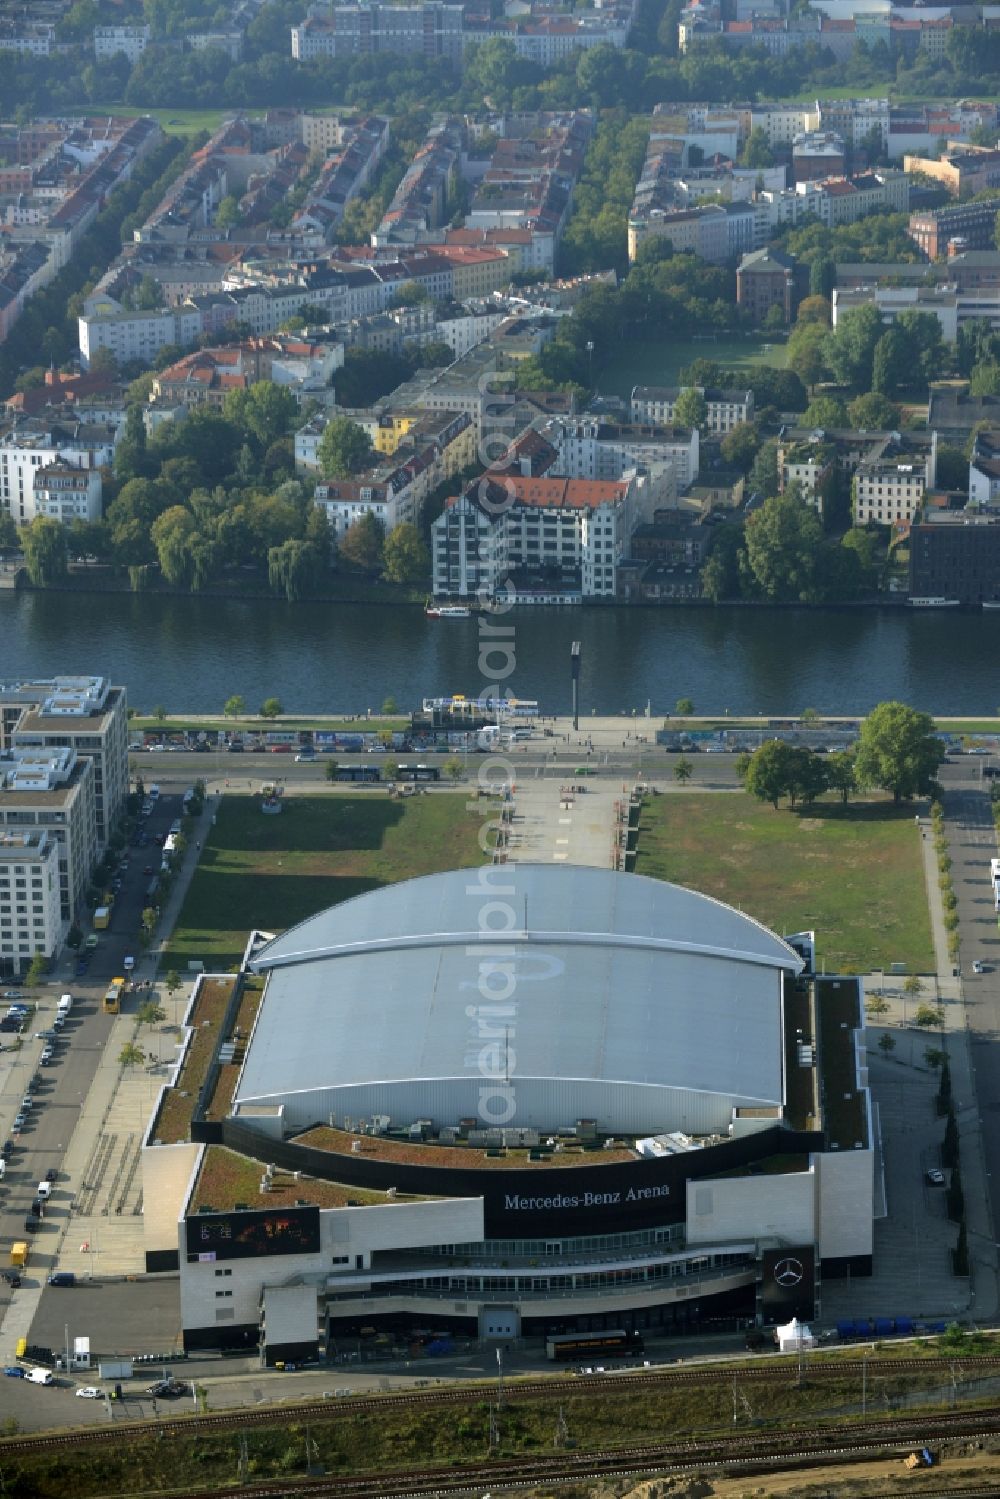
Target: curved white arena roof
pixel 578 993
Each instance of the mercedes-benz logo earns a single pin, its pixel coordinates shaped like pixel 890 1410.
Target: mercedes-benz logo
pixel 788 1272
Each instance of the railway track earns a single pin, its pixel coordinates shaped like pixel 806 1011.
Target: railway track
pixel 750 1453
pixel 550 1389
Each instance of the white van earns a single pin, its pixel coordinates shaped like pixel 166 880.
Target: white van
pixel 65 1005
pixel 39 1376
pixel 43 1190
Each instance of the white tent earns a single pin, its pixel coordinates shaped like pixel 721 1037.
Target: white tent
pixel 793 1336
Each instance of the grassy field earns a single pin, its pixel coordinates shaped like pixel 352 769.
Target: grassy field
pixel 272 872
pixel 658 363
pixel 186 121
pixel 852 872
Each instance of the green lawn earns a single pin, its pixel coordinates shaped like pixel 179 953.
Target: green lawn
pixel 659 362
pixel 271 872
pixel 853 873
pixel 173 121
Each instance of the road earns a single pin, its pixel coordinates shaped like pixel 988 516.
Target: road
pixel 241 772
pixel 972 843
pixel 62 1087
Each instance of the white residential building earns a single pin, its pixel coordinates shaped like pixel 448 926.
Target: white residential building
pixel 52 791
pixel 87 715
pixel 31 919
pixel 30 448
pixel 131 41
pixel 590 447
pixel 66 494
pixel 547 537
pixel 135 335
pixel 890 484
pixel 726 409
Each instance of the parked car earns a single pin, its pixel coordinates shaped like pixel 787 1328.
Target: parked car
pixel 46 1057
pixel 977 967
pixel 13 1278
pixel 12 994
pixel 62 1278
pixel 14 1371
pixel 89 1392
pixel 935 1177
pixel 52 1175
pixel 20 1120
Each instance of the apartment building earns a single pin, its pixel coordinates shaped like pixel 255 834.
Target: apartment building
pixel 126 41
pixel 933 230
pixel 345 173
pixel 961 173
pixel 51 792
pixel 67 494
pixel 421 202
pixel 950 306
pixel 432 450
pixel 811 464
pixel 430 29
pixel 589 447
pixel 30 446
pixel 726 408
pixel 891 481
pixel 31 919
pixel 548 538
pixel 28 38
pixel 85 715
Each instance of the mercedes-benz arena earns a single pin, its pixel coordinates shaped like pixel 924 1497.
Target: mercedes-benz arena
pixel 524 1100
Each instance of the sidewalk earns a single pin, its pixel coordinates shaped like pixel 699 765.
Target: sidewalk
pixel 100 1228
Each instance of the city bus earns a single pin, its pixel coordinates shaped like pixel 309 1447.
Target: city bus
pixel 418 773
pixel 113 996
pixel 615 1343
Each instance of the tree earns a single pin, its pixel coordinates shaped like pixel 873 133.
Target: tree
pixel 148 918
pixel 389 706
pixel 160 713
pixel 851 347
pixel 813 309
pixel 898 751
pixel 739 446
pixel 8 532
pixel 172 982
pixel 934 1057
pixel 361 545
pixel 757 151
pixel 806 351
pixel 763 478
pixel 405 557
pixel 877 1004
pixel 271 708
pixel 234 706
pixel 683 769
pixel 840 773
pixel 889 363
pixel 769 771
pixel 691 408
pixel 984 379
pixel 331 770
pixel 227 215
pixel 825 411
pixel 150 1013
pixel 453 768
pixel 782 541
pixel 929 1017
pixel 684 707
pixel 873 412
pixel 343 449
pixel 886 1043
pixel 43 542
pixel 37 970
pixel 913 986
pixel 131 1055
pixel 265 412
pixel 172 534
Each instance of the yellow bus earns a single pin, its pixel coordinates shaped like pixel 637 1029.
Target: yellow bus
pixel 113 997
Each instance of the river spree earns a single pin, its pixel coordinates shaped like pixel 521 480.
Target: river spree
pixel 192 653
